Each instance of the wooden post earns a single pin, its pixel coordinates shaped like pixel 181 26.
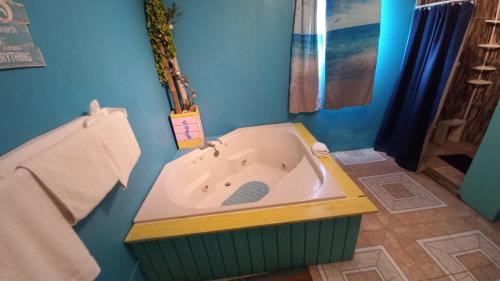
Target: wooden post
pixel 172 90
pixel 171 86
pixel 180 85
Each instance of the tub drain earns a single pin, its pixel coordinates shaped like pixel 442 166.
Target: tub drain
pixel 247 193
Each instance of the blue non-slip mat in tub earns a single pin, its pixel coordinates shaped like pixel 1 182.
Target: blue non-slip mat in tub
pixel 249 192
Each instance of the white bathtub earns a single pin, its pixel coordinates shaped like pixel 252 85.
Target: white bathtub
pixel 198 182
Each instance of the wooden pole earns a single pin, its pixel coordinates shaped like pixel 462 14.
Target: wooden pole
pixel 180 85
pixel 172 90
pixel 171 86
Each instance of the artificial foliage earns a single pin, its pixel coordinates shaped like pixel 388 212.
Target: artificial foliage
pixel 159 21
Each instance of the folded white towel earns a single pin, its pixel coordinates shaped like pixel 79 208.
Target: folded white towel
pixel 320 149
pixel 36 242
pixel 119 141
pixel 10 161
pixel 76 171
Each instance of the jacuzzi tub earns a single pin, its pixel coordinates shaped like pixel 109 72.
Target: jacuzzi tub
pixel 309 214
pixel 275 156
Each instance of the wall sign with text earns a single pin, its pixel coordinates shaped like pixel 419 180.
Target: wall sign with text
pixel 16 45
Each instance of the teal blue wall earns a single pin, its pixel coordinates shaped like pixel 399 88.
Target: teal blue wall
pixel 481 186
pixel 235 52
pixel 94 49
pixel 237 55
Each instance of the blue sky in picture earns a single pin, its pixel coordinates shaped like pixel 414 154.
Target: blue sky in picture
pixel 347 13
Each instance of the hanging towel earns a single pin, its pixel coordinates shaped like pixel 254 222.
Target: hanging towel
pixel 36 242
pixel 320 149
pixel 119 141
pixel 307 69
pixel 10 161
pixel 97 113
pixel 76 171
pixel 353 29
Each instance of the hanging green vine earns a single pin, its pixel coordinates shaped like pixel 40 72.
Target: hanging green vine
pixel 159 21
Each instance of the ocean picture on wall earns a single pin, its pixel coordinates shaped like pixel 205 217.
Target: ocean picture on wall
pixel 353 28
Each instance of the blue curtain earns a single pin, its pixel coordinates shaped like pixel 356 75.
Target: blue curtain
pixel 435 38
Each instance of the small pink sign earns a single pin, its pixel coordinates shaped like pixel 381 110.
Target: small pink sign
pixel 186 128
pixel 187 136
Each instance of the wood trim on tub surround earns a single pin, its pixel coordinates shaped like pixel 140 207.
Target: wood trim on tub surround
pixel 248 251
pixel 355 203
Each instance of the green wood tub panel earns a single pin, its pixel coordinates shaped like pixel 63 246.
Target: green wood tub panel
pixel 249 251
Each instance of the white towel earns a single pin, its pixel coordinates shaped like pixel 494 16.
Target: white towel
pixel 36 242
pixel 10 161
pixel 76 171
pixel 320 149
pixel 119 141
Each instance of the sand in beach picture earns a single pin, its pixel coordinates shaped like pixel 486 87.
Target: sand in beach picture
pixel 353 28
pixel 306 77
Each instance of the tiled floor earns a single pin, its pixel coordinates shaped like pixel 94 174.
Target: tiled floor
pixel 449 241
pixel 404 235
pixel 370 263
pixel 465 256
pixel 399 193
